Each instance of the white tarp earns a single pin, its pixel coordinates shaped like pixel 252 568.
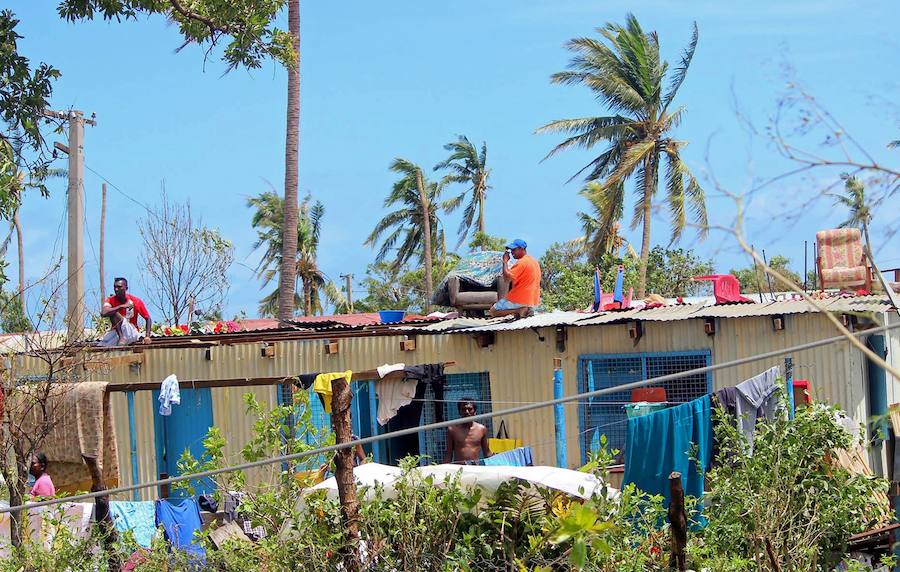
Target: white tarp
pixel 573 483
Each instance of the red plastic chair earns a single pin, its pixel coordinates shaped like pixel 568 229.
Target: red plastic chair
pixel 726 288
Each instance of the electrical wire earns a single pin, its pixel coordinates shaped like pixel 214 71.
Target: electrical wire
pixel 450 423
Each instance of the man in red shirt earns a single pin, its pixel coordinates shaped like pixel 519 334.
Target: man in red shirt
pixel 525 276
pixel 123 310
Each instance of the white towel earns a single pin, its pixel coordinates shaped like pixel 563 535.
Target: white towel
pixel 168 395
pixel 385 369
pixel 392 395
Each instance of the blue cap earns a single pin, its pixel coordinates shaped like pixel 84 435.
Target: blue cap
pixel 517 243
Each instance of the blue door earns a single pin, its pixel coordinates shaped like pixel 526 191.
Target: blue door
pixel 183 430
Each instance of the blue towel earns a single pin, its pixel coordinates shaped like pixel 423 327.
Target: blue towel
pixel 661 442
pixel 520 457
pixel 180 518
pixel 138 517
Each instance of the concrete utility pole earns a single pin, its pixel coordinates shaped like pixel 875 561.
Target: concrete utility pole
pixel 75 261
pixel 102 243
pixel 349 280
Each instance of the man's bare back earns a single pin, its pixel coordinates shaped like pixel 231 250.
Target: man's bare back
pixel 468 441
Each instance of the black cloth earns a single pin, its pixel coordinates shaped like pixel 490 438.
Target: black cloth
pixel 305 380
pixel 433 374
pixel 208 503
pixel 408 416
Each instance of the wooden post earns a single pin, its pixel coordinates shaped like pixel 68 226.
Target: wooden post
pixel 163 489
pixel 102 515
pixel 678 522
pixel 343 461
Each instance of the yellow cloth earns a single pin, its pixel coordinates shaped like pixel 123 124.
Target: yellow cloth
pixel 322 385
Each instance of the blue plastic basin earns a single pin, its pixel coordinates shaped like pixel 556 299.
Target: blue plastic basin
pixel 388 316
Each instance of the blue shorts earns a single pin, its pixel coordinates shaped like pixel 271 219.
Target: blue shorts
pixel 504 304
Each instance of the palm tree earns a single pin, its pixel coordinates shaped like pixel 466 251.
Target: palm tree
pixel 855 201
pixel 467 166
pixel 268 220
pixel 601 229
pixel 421 233
pixel 627 74
pixel 288 277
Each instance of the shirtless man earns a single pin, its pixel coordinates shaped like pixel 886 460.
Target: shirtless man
pixel 466 442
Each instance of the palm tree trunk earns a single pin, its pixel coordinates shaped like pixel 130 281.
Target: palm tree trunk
pixel 21 248
pixel 481 207
pixel 426 231
pixel 288 277
pixel 649 187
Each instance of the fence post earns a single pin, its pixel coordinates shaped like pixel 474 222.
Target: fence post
pixel 559 415
pixel 678 521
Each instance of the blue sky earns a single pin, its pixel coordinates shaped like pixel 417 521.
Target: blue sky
pixel 401 79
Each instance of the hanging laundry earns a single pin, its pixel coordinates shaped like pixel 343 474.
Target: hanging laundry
pixel 519 457
pixel 408 416
pixel 169 395
pixel 85 427
pixel 385 369
pixel 137 516
pixel 322 386
pixel 661 442
pixel 748 401
pixel 180 519
pixel 433 374
pixel 305 380
pixel 393 393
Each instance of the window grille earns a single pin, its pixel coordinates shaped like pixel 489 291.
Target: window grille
pixel 605 415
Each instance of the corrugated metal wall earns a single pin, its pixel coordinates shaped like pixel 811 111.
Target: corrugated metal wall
pixel 520 364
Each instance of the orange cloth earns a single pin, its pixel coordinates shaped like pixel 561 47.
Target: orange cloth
pixel 526 288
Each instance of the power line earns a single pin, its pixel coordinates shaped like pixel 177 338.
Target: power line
pixel 446 424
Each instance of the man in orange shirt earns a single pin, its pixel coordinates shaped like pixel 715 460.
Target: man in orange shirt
pixel 525 276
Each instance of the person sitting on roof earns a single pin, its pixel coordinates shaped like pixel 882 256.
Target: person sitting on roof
pixel 525 275
pixel 123 310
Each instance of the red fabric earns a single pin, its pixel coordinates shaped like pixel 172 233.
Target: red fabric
pixel 139 308
pixel 648 394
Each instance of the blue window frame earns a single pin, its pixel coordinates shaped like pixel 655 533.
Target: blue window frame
pixel 605 415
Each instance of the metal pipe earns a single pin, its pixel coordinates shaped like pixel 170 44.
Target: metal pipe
pixel 559 416
pixel 132 437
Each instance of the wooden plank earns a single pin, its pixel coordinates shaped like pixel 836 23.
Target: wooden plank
pixel 365 375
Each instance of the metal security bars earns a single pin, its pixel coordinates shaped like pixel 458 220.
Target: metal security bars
pixel 606 415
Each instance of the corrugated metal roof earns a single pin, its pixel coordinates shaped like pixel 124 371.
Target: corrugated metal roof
pixel 670 314
pixel 351 320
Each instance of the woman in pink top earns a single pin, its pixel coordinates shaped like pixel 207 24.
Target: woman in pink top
pixel 43 486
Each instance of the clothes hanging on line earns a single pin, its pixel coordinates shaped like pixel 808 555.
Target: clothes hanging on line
pixel 431 374
pixel 180 519
pixel 661 442
pixel 137 516
pixel 305 380
pixel 322 385
pixel 385 369
pixel 392 395
pixel 169 395
pixel 750 400
pixel 519 457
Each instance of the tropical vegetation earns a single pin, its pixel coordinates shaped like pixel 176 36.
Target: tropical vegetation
pixel 467 166
pixel 627 73
pixel 269 219
pixel 412 232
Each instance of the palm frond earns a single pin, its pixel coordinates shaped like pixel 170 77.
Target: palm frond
pixel 681 70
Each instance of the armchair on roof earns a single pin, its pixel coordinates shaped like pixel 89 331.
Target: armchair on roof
pixel 841 260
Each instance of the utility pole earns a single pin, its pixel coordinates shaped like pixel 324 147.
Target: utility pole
pixel 349 281
pixel 102 242
pixel 75 260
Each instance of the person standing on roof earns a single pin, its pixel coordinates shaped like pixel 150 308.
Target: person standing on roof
pixel 525 275
pixel 123 310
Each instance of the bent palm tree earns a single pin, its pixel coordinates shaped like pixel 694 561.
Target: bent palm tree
pixel 415 224
pixel 467 166
pixel 855 200
pixel 268 220
pixel 627 74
